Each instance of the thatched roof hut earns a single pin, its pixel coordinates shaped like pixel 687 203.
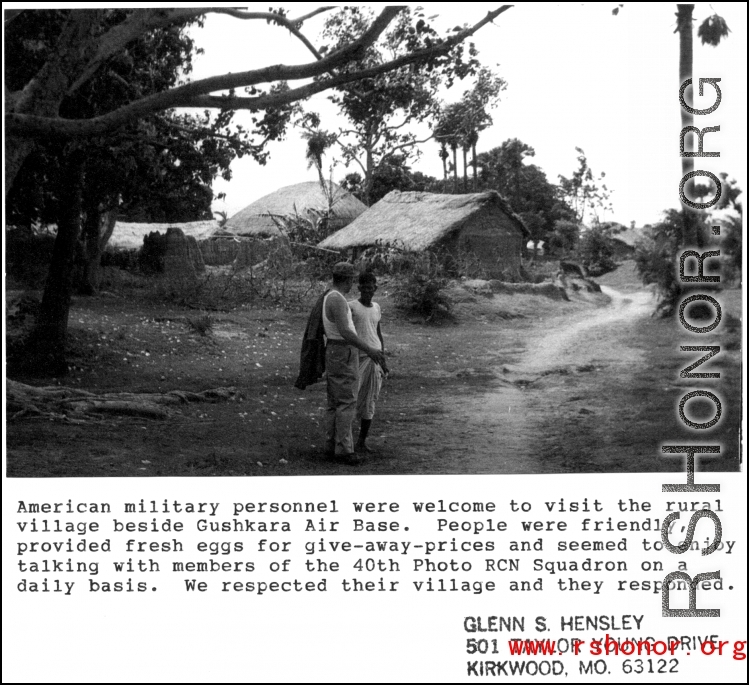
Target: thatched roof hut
pixel 479 226
pixel 128 235
pixel 304 199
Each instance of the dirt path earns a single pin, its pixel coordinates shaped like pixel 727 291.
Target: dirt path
pixel 563 377
pixel 578 342
pixel 593 392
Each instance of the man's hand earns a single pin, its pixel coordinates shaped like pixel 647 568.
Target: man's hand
pixel 377 356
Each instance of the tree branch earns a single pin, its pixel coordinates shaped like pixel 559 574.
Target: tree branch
pixel 403 146
pixel 138 23
pixel 289 24
pixel 203 131
pixel 10 15
pixel 195 94
pixel 349 154
pixel 142 21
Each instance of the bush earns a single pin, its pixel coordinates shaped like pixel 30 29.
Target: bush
pixel 121 258
pixel 386 258
pixel 596 251
pixel 564 237
pixel 731 249
pixel 655 261
pixel 318 263
pixel 421 288
pixel 304 234
pixel 202 325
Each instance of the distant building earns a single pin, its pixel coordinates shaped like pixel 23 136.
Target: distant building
pixel 625 241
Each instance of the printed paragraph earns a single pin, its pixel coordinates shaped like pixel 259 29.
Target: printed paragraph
pixel 591 546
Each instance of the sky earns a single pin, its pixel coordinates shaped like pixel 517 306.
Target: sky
pixel 577 76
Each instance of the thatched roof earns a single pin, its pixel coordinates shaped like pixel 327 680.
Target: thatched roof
pixel 417 220
pixel 305 199
pixel 128 235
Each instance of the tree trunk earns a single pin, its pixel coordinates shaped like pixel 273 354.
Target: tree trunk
pixel 97 230
pixel 368 175
pixel 444 155
pixel 465 170
pixel 455 169
pixel 44 93
pixel 692 219
pixel 50 335
pixel 16 152
pixel 108 224
pixel 91 255
pixel 475 172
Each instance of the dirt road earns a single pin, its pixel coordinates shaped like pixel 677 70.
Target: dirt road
pixel 594 391
pixel 554 392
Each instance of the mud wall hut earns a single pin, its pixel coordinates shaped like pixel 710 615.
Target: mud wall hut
pixel 477 228
pixel 306 200
pixel 129 236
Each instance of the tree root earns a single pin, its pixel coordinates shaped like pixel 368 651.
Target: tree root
pixel 72 404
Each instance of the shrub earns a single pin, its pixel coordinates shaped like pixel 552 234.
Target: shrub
pixel 596 251
pixel 202 325
pixel 564 237
pixel 421 288
pixel 122 258
pixel 386 258
pixel 304 234
pixel 655 261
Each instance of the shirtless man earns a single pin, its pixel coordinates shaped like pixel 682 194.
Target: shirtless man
pixel 342 365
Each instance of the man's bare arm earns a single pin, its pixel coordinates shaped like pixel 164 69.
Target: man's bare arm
pixel 336 309
pixel 382 342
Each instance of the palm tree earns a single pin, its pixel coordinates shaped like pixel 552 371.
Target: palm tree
pixel 711 31
pixel 459 124
pixel 318 142
pixel 448 133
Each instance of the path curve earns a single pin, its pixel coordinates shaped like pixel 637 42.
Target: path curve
pixel 506 421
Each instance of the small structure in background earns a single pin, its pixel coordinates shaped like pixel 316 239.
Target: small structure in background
pixel 129 236
pixel 478 229
pixel 307 200
pixel 624 242
pixel 536 248
pixel 173 254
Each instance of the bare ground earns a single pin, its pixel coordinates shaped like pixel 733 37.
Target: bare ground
pixel 520 384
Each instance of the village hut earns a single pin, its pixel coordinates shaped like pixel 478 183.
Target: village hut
pixel 306 200
pixel 479 228
pixel 625 241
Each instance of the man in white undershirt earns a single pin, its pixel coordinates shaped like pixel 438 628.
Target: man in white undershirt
pixel 342 365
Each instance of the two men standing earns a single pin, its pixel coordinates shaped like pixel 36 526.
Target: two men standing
pixel 354 361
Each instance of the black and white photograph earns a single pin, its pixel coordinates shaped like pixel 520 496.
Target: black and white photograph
pixel 267 249
pixel 172 221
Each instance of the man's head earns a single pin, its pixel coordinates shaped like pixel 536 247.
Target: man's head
pixel 367 287
pixel 343 276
